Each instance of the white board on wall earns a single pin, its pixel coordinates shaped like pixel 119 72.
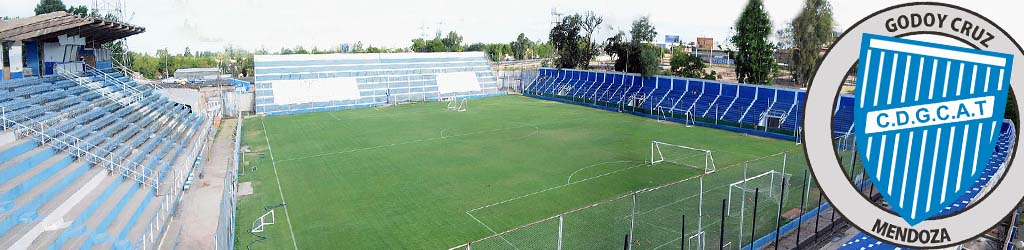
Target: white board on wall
pixel 315 90
pixel 457 82
pixel 15 52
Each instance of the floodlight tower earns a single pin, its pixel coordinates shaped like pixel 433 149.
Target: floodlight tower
pixel 556 17
pixel 116 10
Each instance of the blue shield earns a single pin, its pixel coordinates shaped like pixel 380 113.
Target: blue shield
pixel 927 118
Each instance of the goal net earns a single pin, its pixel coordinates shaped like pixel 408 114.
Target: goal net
pixel 682 155
pixel 768 186
pixel 266 219
pixel 456 104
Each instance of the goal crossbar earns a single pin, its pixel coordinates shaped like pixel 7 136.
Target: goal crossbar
pixel 257 226
pixel 768 183
pixel 456 104
pixel 691 159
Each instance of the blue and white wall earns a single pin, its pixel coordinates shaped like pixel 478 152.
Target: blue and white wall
pixel 287 84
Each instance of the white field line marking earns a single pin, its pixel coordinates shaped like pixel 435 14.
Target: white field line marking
pixel 555 187
pixel 412 142
pixel 536 130
pixel 591 205
pixel 492 230
pixel 331 113
pixel 683 199
pixel 567 181
pixel 278 178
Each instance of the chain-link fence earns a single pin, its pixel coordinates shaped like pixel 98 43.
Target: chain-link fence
pixel 736 207
pixel 225 234
pixel 514 80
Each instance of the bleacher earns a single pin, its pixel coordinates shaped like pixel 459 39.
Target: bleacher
pixel 287 84
pixel 81 171
pixel 712 103
pixel 992 171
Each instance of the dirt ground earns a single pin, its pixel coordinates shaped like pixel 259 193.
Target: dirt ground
pixel 196 222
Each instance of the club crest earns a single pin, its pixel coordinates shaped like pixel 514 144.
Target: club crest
pixel 927 118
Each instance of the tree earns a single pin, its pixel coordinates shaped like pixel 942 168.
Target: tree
pixel 638 55
pixel 574 48
pixel 812 31
pixel 642 30
pixel 688 65
pixel 450 43
pixel 755 62
pixel 475 47
pixel 80 10
pixel 453 42
pixel 47 6
pixel 188 51
pixel 521 47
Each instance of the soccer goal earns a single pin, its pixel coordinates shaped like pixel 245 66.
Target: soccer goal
pixel 696 241
pixel 688 119
pixel 682 155
pixel 456 104
pixel 768 185
pixel 265 220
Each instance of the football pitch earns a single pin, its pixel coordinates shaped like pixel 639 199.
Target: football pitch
pixel 419 176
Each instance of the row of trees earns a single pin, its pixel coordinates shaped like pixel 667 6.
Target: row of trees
pixel 754 52
pixel 233 61
pixel 573 42
pixel 521 48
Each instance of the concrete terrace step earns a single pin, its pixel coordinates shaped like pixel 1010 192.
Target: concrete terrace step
pixel 59 227
pixel 78 170
pixel 79 233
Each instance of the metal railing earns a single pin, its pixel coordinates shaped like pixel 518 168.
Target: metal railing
pixel 151 238
pixel 133 94
pixel 76 146
pixel 94 86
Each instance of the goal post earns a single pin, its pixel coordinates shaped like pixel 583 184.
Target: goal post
pixel 767 184
pixel 696 241
pixel 456 104
pixel 265 220
pixel 682 155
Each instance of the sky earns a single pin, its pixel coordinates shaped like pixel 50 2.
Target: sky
pixel 273 24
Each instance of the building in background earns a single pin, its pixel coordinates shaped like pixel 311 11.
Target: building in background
pixel 199 75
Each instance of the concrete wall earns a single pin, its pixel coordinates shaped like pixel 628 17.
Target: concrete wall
pixel 182 95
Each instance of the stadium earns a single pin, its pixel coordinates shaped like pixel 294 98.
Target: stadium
pixel 414 150
pixel 670 162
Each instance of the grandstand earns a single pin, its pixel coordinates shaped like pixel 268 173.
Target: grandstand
pixel 759 110
pixel 89 158
pixel 287 84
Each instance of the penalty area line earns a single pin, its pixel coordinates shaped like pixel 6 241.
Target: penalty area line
pixel 555 187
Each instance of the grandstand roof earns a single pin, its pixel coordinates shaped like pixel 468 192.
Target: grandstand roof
pixel 50 25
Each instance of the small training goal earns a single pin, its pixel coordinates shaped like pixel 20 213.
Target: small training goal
pixel 456 104
pixel 691 157
pixel 768 186
pixel 262 221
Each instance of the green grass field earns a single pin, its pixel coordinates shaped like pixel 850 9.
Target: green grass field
pixel 418 176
